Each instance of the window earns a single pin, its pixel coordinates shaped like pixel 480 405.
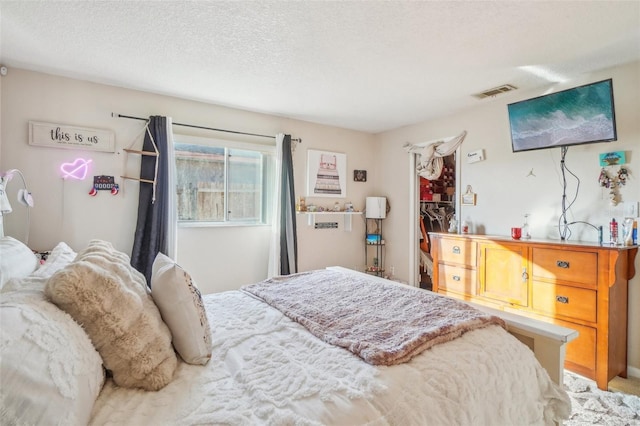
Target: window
pixel 222 182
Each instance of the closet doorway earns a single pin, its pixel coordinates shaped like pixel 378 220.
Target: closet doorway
pixel 434 203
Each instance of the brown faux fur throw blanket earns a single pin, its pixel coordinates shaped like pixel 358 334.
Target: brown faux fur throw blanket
pixel 383 323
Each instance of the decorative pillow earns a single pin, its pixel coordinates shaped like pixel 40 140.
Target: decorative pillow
pixel 181 307
pixel 50 372
pixel 60 257
pixel 101 291
pixel 16 260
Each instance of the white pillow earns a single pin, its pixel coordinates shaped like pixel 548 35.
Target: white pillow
pixel 50 372
pixel 60 257
pixel 16 260
pixel 181 307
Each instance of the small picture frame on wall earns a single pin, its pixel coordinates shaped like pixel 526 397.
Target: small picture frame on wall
pixel 360 175
pixel 469 197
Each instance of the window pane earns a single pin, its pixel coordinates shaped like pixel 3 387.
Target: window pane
pixel 223 184
pixel 200 182
pixel 245 185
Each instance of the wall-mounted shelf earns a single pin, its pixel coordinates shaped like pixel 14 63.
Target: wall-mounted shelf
pixel 311 217
pixel 138 179
pixel 143 153
pixel 136 151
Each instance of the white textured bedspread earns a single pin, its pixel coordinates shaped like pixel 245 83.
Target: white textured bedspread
pixel 267 369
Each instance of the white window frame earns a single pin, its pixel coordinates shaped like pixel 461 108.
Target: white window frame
pixel 267 148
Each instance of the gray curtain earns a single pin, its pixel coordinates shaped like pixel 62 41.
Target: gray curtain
pixel 152 226
pixel 288 239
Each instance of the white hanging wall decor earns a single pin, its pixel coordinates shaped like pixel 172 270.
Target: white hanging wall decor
pixel 71 137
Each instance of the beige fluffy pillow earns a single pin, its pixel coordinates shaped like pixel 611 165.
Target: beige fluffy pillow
pixel 111 300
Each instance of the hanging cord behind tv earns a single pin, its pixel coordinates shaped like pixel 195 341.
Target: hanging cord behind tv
pixel 563 225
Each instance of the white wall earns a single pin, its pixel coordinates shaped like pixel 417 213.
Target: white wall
pixel 505 192
pixel 218 258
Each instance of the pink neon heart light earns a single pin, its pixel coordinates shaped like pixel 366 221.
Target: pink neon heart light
pixel 76 170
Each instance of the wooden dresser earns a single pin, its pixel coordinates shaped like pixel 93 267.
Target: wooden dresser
pixel 576 285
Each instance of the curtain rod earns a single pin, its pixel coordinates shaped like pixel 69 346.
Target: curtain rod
pixel 113 114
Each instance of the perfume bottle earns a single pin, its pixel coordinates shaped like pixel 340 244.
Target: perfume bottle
pixel 613 231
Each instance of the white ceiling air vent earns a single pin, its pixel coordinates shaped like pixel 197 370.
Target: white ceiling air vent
pixel 490 93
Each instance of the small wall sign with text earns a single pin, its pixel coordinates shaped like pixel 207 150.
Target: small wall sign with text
pixel 71 137
pixel 475 156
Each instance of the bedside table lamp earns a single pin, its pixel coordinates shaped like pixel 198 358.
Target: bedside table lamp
pixel 24 197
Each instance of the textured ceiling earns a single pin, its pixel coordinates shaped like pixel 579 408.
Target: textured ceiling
pixel 369 66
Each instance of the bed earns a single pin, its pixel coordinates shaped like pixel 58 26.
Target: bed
pixel 248 362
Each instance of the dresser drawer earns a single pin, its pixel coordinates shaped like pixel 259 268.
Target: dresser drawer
pixel 458 279
pixel 460 252
pixel 562 265
pixel 561 300
pixel 582 350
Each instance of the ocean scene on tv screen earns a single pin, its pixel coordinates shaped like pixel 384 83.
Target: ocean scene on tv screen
pixel 580 115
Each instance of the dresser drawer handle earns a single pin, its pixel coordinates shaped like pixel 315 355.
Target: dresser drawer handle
pixel 456 277
pixel 562 264
pixel 456 250
pixel 562 299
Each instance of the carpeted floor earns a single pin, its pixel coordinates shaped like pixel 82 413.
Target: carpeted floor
pixel 592 406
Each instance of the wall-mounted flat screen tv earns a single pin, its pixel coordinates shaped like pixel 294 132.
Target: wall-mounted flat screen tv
pixel 580 115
